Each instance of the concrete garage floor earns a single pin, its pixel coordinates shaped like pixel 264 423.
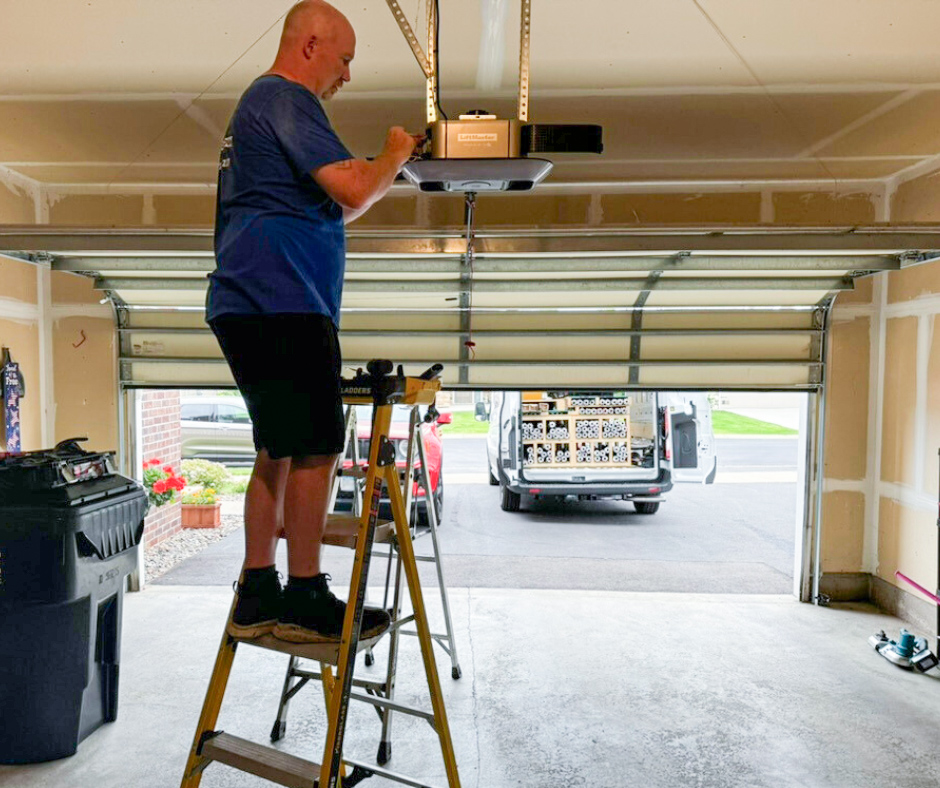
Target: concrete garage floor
pixel 560 688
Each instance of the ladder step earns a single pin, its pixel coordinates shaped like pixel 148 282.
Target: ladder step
pixel 320 652
pixel 342 530
pixel 264 762
pixel 355 472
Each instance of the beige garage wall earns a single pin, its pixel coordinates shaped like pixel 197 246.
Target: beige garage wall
pixel 917 200
pixel 846 452
pixel 104 210
pixel 16 207
pixel 539 209
pixel 882 442
pixel 910 438
pixel 84 363
pixel 65 343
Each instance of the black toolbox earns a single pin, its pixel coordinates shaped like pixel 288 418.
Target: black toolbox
pixel 70 527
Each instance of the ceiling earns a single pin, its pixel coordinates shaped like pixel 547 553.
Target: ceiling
pixel 704 93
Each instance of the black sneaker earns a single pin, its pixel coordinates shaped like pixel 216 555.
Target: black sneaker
pixel 259 605
pixel 312 614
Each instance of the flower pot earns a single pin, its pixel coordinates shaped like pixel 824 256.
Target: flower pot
pixel 196 515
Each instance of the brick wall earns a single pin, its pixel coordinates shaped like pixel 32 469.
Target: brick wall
pixel 160 438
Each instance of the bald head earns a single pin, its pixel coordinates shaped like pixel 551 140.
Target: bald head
pixel 317 45
pixel 311 16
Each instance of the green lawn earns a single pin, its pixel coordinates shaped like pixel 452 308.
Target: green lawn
pixel 465 424
pixel 725 423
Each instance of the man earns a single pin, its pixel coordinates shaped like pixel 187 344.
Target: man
pixel 286 186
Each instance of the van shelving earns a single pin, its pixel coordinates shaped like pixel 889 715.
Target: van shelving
pixel 580 428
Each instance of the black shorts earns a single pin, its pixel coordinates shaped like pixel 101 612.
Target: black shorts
pixel 287 367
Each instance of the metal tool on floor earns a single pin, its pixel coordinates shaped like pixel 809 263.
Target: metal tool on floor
pixel 908 651
pixel 382 390
pixel 298 675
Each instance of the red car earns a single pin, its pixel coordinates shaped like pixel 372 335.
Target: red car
pixel 398 434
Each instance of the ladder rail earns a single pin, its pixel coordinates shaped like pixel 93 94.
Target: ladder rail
pixel 433 522
pixel 406 549
pixel 378 467
pixel 221 670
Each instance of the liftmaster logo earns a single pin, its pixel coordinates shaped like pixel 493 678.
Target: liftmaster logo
pixel 477 136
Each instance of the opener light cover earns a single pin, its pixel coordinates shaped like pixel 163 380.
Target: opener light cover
pixel 476 175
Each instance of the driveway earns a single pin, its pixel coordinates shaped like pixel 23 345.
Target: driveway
pixel 734 536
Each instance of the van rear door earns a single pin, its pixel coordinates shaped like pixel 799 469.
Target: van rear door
pixel 693 443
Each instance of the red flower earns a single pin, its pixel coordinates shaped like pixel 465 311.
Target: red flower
pixel 159 486
pixel 168 469
pixel 176 482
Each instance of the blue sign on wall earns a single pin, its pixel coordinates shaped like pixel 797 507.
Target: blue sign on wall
pixel 11 405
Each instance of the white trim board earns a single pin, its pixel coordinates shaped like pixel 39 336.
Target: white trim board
pixel 876 333
pixel 18 311
pixel 845 485
pixel 907 497
pixel 919 307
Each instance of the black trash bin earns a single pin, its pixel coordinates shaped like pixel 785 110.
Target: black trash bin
pixel 70 527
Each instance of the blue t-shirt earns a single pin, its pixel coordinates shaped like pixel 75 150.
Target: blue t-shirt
pixel 280 243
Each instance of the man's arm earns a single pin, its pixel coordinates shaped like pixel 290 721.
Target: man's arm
pixel 357 184
pixel 349 215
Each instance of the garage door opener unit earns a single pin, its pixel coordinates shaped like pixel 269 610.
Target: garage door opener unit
pixel 479 151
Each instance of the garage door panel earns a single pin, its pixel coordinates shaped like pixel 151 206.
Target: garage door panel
pixel 156 297
pixel 597 319
pixel 738 298
pixel 389 301
pixel 743 376
pixel 389 320
pixel 403 348
pixel 553 300
pixel 740 348
pixel 744 319
pixel 628 307
pixel 548 376
pixel 550 347
pixel 166 318
pixel 175 374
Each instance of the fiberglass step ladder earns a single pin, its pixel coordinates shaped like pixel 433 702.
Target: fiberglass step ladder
pixel 298 675
pixel 381 390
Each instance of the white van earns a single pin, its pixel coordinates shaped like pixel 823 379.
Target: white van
pixel 594 445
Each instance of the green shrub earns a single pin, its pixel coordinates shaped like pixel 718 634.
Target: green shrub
pixel 205 473
pixel 235 485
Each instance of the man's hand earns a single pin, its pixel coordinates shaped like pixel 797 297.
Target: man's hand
pixel 358 183
pixel 400 144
